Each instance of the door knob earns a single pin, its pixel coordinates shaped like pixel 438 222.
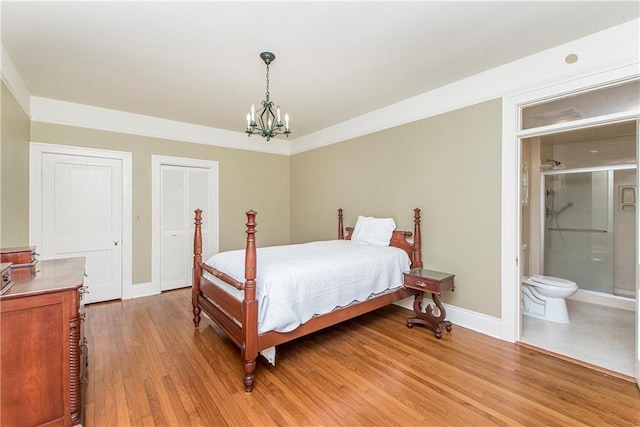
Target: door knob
pixel 116 241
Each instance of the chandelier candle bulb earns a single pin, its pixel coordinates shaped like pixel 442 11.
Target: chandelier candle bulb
pixel 278 113
pixel 253 113
pixel 286 122
pixel 248 121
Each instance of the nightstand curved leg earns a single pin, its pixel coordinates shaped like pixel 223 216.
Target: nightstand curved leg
pixel 427 318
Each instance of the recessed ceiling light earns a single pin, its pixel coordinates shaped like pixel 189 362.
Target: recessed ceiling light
pixel 572 58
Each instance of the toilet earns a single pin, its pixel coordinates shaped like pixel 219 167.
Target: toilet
pixel 544 296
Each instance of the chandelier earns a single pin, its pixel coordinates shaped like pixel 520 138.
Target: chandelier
pixel 269 123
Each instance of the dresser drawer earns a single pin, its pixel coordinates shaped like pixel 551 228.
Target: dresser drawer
pixel 7 283
pixel 6 273
pixel 24 271
pixel 19 256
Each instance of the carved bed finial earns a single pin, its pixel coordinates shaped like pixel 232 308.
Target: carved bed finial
pixel 340 225
pixel 417 244
pixel 250 306
pixel 250 260
pixel 197 272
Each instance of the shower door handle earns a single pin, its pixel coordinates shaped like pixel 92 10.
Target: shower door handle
pixel 585 230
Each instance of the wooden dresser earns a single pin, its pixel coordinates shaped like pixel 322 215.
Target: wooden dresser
pixel 43 351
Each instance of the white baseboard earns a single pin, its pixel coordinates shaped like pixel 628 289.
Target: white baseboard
pixel 477 322
pixel 604 299
pixel 139 290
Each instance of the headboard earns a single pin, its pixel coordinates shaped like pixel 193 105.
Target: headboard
pixel 398 238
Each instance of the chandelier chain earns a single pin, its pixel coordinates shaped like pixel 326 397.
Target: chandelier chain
pixel 267 82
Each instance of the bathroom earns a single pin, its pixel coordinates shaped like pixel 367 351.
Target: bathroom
pixel 578 223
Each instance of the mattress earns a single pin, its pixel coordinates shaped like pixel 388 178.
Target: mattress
pixel 297 282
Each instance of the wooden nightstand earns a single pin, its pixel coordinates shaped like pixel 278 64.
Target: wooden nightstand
pixel 434 282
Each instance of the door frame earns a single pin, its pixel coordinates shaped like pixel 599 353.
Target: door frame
pixel 157 162
pixel 511 178
pixel 36 151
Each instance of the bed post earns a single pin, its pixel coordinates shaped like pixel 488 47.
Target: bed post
pixel 250 306
pixel 197 271
pixel 417 243
pixel 340 225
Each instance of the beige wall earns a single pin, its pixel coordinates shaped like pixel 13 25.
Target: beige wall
pixel 448 165
pixel 248 180
pixel 14 187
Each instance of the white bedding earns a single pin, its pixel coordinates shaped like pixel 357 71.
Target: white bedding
pixel 296 282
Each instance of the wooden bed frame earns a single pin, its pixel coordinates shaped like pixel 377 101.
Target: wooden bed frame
pixel 239 319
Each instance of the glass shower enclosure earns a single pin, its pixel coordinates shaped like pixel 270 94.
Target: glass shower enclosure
pixel 581 241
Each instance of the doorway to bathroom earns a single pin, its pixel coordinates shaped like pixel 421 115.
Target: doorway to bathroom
pixel 588 98
pixel 578 222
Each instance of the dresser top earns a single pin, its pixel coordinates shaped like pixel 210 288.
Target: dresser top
pixel 53 276
pixel 18 249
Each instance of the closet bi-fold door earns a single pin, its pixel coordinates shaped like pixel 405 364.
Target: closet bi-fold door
pixel 183 189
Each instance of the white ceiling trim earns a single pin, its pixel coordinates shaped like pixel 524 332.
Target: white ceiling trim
pixel 68 113
pixel 614 47
pixel 14 82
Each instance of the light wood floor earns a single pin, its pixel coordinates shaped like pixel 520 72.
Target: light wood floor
pixel 148 366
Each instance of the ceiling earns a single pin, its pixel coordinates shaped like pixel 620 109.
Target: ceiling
pixel 198 62
pixel 602 134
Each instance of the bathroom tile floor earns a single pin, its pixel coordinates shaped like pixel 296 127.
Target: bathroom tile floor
pixel 599 335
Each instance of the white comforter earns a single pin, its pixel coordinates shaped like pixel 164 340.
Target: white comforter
pixel 296 282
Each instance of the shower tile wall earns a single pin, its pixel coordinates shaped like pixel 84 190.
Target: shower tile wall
pixel 624 245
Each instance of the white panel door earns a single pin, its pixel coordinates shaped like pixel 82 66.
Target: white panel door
pixel 199 192
pixel 82 213
pixel 183 189
pixel 173 227
pixel 637 362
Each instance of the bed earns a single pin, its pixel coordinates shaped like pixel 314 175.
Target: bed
pixel 240 297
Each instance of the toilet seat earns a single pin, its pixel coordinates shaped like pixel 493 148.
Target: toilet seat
pixel 553 281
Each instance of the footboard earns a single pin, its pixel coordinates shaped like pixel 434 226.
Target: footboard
pixel 239 319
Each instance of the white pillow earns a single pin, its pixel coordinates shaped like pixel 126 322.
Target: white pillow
pixel 373 231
